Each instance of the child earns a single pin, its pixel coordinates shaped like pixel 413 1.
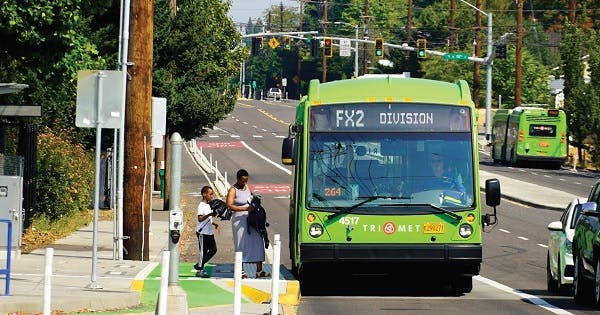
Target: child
pixel 205 231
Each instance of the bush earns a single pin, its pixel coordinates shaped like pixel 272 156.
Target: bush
pixel 65 175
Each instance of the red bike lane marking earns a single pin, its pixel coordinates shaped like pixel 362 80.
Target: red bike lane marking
pixel 267 188
pixel 218 144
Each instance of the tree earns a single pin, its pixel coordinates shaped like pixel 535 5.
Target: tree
pixel 578 106
pixel 196 53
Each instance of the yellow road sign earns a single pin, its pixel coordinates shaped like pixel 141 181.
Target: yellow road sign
pixel 273 42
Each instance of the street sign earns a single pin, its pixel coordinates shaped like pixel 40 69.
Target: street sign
pixel 456 56
pixel 88 94
pixel 273 42
pixel 345 47
pixel 284 81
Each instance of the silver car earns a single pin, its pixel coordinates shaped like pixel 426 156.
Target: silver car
pixel 559 263
pixel 274 93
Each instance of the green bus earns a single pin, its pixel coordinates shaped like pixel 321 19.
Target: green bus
pixel 530 134
pixel 364 192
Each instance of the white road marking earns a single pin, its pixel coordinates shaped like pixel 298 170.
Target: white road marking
pixel 264 130
pixel 234 136
pixel 280 137
pixel 245 122
pixel 213 136
pixel 266 159
pixel 257 136
pixel 577 183
pixel 503 230
pixel 543 245
pixel 523 238
pixel 547 176
pixel 561 179
pixel 532 298
pixel 534 173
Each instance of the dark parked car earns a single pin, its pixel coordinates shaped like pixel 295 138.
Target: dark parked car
pixel 586 250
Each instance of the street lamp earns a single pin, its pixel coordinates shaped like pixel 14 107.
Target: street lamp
pixel 488 83
pixel 355 45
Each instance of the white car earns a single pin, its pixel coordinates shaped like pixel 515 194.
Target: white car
pixel 559 263
pixel 274 93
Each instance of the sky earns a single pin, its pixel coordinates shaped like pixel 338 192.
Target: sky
pixel 241 10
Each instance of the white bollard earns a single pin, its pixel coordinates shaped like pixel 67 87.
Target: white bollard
pixel 216 171
pixel 237 284
pixel 164 283
pixel 275 275
pixel 225 179
pixel 48 281
pixel 210 160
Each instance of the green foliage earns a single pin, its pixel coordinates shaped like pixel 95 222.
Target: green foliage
pixel 534 79
pixel 196 53
pixel 580 102
pixel 65 175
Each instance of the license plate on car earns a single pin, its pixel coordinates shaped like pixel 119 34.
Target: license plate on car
pixel 434 228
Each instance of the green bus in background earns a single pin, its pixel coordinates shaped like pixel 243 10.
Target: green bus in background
pixel 386 178
pixel 530 134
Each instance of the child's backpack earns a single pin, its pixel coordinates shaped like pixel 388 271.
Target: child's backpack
pixel 258 219
pixel 219 206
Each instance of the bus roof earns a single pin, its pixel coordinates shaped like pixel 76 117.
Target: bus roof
pixel 389 88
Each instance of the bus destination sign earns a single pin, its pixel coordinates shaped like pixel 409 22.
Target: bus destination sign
pixel 390 117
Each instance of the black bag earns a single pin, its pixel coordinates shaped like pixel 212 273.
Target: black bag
pixel 218 206
pixel 258 219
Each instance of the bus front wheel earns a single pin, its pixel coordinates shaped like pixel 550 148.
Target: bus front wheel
pixel 462 284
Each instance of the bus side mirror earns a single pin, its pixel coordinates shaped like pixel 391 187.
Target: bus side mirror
pixel 492 192
pixel 287 151
pixel 492 199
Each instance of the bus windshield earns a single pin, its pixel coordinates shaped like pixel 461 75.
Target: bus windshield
pixel 400 171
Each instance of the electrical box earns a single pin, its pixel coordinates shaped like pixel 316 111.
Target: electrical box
pixel 11 207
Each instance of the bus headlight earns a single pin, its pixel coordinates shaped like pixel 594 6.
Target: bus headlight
pixel 465 230
pixel 315 230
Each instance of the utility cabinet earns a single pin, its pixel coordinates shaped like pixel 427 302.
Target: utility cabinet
pixel 11 199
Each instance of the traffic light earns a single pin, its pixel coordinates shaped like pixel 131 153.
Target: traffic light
pixel 421 48
pixel 328 47
pixel 257 43
pixel 379 47
pixel 314 48
pixel 501 51
pixel 287 43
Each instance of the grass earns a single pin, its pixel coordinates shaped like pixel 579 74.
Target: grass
pixel 44 232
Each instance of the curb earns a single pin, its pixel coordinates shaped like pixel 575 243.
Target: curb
pixel 137 284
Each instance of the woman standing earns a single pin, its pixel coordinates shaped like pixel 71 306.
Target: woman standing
pixel 250 244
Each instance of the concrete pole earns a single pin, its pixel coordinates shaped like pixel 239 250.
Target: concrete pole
pixel 161 308
pixel 177 298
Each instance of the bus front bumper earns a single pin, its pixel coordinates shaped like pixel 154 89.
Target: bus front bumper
pixel 392 253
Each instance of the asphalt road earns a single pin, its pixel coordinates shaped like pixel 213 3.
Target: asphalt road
pixel 512 278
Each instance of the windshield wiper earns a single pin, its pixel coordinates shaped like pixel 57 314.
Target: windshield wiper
pixel 347 210
pixel 367 199
pixel 455 216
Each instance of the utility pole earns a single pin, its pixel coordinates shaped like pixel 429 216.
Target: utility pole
pixel 452 26
pixel 300 47
pixel 572 9
pixel 408 34
pixel 138 133
pixel 281 63
pixel 518 66
pixel 366 35
pixel 477 54
pixel 324 60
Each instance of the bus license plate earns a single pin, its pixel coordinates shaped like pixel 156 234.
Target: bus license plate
pixel 434 228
